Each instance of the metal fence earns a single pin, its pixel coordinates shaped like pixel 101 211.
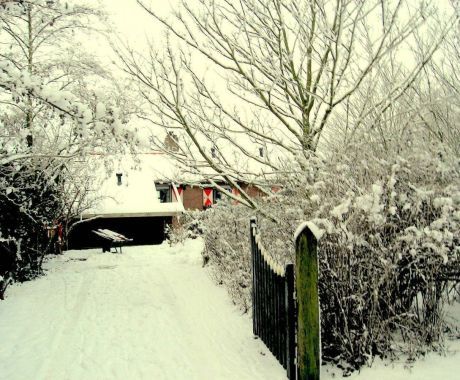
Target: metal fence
pixel 274 306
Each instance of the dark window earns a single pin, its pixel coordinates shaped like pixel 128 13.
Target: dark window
pixel 119 175
pixel 163 193
pixel 218 195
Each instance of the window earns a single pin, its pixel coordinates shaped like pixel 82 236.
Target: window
pixel 218 195
pixel 163 193
pixel 119 175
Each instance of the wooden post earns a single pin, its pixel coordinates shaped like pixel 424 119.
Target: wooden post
pixel 308 328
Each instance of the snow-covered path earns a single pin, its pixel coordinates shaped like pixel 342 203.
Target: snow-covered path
pixel 150 313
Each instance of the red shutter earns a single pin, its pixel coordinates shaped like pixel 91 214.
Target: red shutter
pixel 207 197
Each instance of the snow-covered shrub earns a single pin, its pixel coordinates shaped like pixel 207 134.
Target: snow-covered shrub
pixel 390 228
pixel 382 255
pixel 187 226
pixel 29 201
pixel 226 233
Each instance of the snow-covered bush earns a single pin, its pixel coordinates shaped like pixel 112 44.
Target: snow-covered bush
pixel 187 226
pixel 58 105
pixel 226 233
pixel 29 203
pixel 390 230
pixel 386 242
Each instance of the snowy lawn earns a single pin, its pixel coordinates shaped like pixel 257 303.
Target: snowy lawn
pixel 150 313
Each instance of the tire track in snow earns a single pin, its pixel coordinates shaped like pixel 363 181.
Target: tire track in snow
pixel 72 316
pixel 151 313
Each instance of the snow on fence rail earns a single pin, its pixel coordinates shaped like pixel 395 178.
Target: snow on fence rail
pixel 274 314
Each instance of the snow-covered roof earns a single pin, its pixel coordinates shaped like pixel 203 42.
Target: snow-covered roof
pixel 136 194
pixel 199 172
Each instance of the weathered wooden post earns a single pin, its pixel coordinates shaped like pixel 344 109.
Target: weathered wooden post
pixel 308 327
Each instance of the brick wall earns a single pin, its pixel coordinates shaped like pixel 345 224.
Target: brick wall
pixel 252 191
pixel 193 198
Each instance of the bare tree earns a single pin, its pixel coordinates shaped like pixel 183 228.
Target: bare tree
pixel 292 73
pixel 440 115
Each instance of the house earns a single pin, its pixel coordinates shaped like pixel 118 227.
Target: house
pixel 200 195
pixel 126 202
pixel 138 196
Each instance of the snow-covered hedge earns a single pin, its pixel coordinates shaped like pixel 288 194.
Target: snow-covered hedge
pixel 390 230
pixel 389 236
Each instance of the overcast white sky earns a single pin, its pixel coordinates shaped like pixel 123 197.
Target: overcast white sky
pixel 132 21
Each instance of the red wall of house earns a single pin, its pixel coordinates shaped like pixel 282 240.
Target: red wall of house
pixel 252 191
pixel 193 198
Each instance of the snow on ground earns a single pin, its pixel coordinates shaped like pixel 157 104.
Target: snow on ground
pixel 150 313
pixel 432 367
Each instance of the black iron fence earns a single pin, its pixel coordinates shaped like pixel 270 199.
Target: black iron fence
pixel 274 306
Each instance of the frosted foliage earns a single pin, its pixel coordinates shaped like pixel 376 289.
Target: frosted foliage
pixel 389 234
pixel 51 119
